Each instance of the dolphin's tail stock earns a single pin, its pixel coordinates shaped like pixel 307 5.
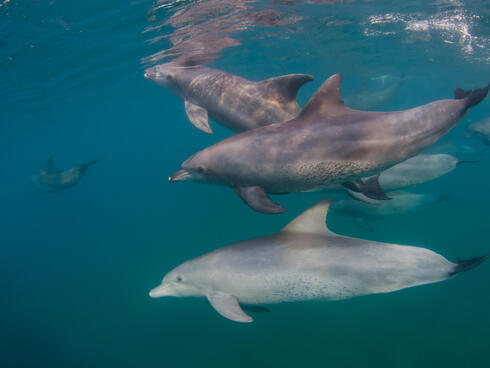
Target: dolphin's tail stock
pixel 468 264
pixel 466 162
pixel 84 167
pixel 473 97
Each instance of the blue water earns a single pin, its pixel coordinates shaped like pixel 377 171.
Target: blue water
pixel 76 266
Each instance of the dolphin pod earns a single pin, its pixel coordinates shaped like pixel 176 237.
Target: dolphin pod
pixel 326 144
pixel 304 261
pixel 52 179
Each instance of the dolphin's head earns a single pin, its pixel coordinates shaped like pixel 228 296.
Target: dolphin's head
pixel 197 168
pixel 170 75
pixel 178 282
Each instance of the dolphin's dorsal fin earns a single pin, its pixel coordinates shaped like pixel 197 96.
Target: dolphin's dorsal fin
pixel 283 90
pixel 312 220
pixel 228 307
pixel 326 100
pixel 49 164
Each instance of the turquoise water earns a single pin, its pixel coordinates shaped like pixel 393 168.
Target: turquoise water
pixel 77 265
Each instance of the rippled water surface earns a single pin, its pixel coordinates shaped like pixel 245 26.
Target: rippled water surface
pixel 77 265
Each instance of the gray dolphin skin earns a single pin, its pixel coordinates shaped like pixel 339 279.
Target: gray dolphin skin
pixel 236 103
pixel 51 179
pixel 304 261
pixel 414 171
pixel 327 144
pixel 401 203
pixel 480 130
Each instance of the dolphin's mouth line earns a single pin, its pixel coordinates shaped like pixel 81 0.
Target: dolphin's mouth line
pixel 180 175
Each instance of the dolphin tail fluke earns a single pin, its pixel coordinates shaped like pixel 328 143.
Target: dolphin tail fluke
pixel 472 97
pixel 468 264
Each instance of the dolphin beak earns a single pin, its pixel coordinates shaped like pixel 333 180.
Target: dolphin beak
pixel 150 73
pixel 180 175
pixel 159 291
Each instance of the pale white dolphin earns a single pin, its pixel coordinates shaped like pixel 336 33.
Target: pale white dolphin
pixel 304 261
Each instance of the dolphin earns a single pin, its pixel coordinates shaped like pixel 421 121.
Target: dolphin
pixel 401 202
pixel 304 261
pixel 51 179
pixel 328 143
pixel 480 130
pixel 414 171
pixel 235 102
pixel 370 98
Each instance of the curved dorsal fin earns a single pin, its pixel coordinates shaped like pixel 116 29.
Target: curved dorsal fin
pixel 312 220
pixel 326 100
pixel 283 90
pixel 50 163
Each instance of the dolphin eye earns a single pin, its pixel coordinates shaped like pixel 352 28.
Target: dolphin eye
pixel 178 278
pixel 169 77
pixel 200 169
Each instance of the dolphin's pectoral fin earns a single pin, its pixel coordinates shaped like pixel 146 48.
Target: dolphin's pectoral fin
pixel 198 116
pixel 312 220
pixel 228 307
pixel 257 199
pixel 369 187
pixel 284 90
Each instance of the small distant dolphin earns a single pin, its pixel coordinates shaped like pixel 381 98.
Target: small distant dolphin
pixel 236 103
pixel 51 179
pixel 304 261
pixel 369 99
pixel 480 130
pixel 327 144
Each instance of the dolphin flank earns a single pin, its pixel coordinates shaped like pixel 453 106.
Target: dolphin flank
pixel 304 261
pixel 327 144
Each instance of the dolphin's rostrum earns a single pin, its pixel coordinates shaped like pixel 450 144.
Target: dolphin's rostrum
pixel 327 144
pixel 304 261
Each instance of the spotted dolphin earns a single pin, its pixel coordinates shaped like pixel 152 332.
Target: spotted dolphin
pixel 51 179
pixel 304 261
pixel 328 143
pixel 237 103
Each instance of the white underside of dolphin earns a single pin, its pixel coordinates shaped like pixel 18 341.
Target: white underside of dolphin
pixel 304 261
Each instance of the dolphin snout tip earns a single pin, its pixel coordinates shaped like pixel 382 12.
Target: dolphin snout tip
pixel 180 175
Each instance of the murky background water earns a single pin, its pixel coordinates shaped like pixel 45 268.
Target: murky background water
pixel 76 266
